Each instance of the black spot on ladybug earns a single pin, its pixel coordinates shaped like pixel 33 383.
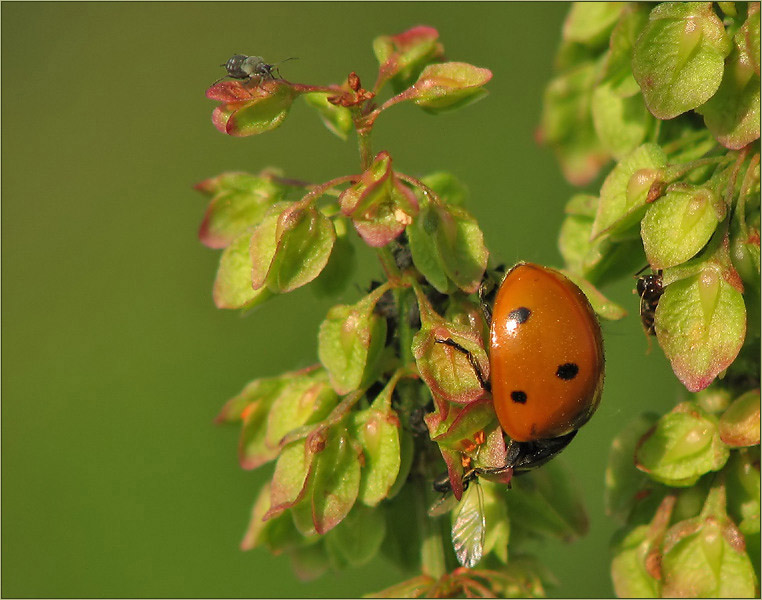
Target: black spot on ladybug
pixel 567 371
pixel 518 396
pixel 520 314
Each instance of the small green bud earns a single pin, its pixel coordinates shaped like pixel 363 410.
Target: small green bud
pixel 683 445
pixel 379 205
pixel 590 23
pixel 705 557
pixel 623 203
pixel 713 399
pixel 445 86
pixel 622 481
pixel 567 124
pixel 678 59
pixel 350 342
pixel 636 568
pixel 378 431
pixel 680 224
pixel 701 325
pixel 338 119
pixel 402 57
pixel 742 479
pixel 732 114
pixel 739 424
pixel 290 247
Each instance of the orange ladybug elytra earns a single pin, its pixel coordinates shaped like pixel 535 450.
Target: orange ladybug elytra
pixel 546 355
pixel 546 364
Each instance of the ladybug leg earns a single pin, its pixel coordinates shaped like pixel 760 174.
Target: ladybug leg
pixel 487 290
pixel 525 456
pixel 474 365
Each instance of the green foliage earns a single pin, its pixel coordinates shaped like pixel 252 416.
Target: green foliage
pixel 672 91
pixel 398 396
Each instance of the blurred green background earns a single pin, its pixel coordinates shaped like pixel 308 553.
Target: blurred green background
pixel 115 481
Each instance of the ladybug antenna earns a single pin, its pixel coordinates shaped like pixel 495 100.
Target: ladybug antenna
pixel 643 269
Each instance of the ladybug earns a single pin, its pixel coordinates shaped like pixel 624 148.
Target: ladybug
pixel 650 289
pixel 546 363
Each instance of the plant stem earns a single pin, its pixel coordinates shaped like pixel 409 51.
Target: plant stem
pixel 366 152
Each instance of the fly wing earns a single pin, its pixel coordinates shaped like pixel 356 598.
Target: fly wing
pixel 468 527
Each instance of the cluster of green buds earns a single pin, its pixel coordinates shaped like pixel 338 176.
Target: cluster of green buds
pixel 358 439
pixel 671 93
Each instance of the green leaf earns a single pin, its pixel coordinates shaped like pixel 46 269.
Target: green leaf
pixel 445 86
pixel 628 566
pixel 679 224
pixel 350 341
pixel 598 261
pixel 732 114
pixel 341 266
pixel 338 119
pixel 239 202
pixel 701 325
pixel 377 429
pixel 591 22
pixel 739 424
pixel 379 205
pixel 742 478
pixel 402 525
pixel 750 35
pixel 624 192
pixel 447 245
pixel 357 539
pixel 448 187
pixel 621 122
pixel 617 69
pixel 290 247
pixel 277 534
pixel 292 473
pixel 304 401
pixel 263 390
pixel 635 567
pixel 567 125
pixel 705 556
pixel 401 57
pixel 445 369
pixel 547 503
pixel 684 445
pixel 498 527
pixel 462 424
pixel 253 449
pixel 250 110
pixel 336 480
pixel 233 285
pixel 309 562
pixel 623 482
pixel 678 60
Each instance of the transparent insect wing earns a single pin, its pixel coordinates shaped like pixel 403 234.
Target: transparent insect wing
pixel 443 505
pixel 469 527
